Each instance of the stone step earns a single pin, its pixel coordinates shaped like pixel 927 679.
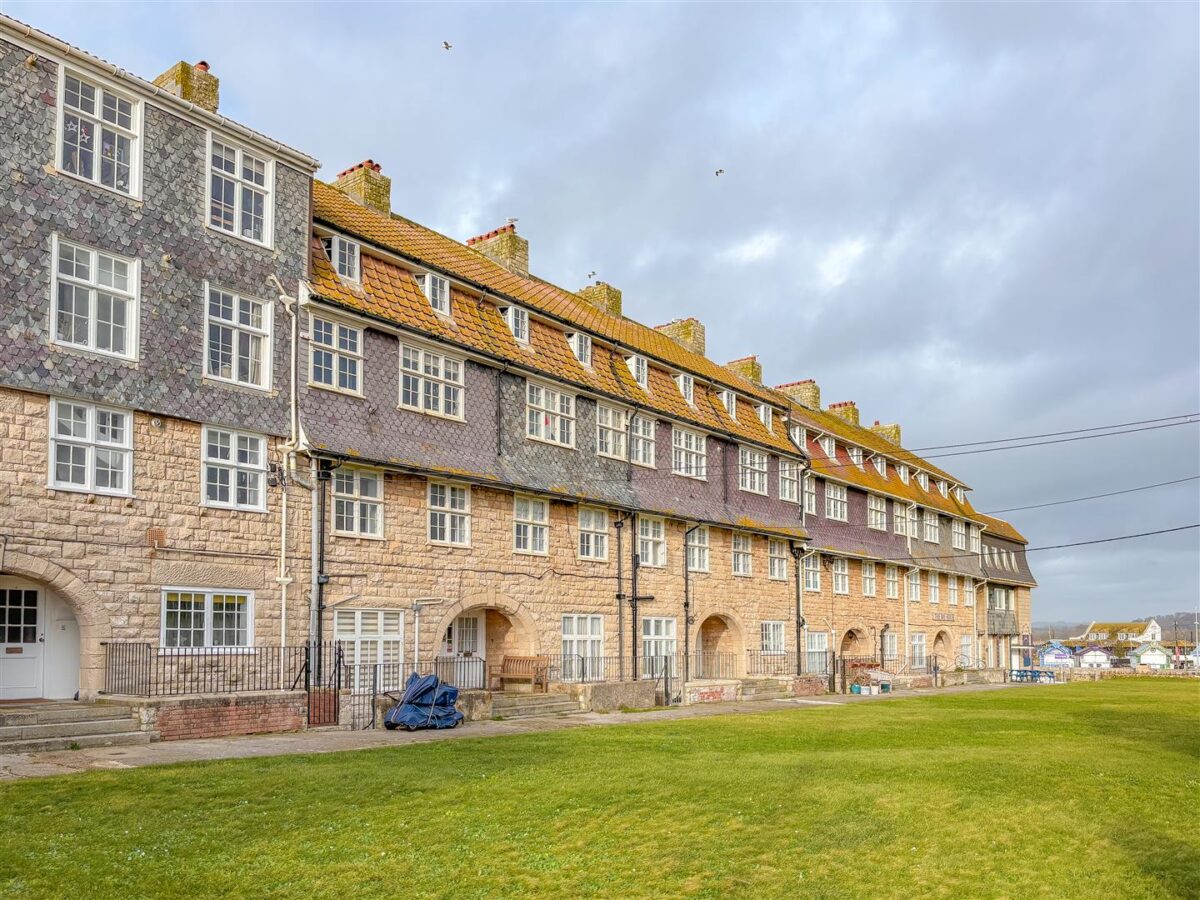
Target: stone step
pixel 79 742
pixel 66 729
pixel 767 695
pixel 527 699
pixel 522 710
pixel 59 713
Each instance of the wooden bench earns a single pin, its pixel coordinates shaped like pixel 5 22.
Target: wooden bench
pixel 533 669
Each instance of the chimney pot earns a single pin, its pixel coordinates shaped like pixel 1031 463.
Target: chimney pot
pixel 365 183
pixel 688 333
pixel 748 367
pixel 193 83
pixel 603 296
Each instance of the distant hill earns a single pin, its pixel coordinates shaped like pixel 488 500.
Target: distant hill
pixel 1185 621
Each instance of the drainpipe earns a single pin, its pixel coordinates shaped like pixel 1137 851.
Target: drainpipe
pixel 633 594
pixel 798 556
pixel 908 538
pixel 320 579
pixel 687 608
pixel 619 524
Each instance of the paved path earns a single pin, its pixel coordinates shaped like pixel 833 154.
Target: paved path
pixel 65 762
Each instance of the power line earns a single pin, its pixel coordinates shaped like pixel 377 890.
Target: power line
pixel 1144 487
pixel 1066 440
pixel 1027 437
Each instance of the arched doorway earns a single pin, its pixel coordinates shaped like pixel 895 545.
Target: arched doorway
pixel 719 648
pixel 856 643
pixel 473 638
pixel 942 652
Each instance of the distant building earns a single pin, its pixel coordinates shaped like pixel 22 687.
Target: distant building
pixel 1093 658
pixel 1114 632
pixel 1151 655
pixel 1054 654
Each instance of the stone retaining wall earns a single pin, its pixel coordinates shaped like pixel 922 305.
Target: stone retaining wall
pixel 220 715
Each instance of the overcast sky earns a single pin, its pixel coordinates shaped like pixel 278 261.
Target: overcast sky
pixel 978 221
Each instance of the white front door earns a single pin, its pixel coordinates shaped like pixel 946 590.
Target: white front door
pixel 21 612
pixel 463 664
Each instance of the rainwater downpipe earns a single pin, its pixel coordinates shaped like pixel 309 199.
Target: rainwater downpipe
pixel 687 606
pixel 633 594
pixel 908 536
pixel 619 524
pixel 798 557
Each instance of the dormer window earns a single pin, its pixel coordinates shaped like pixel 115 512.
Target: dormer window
pixel 903 470
pixel 799 435
pixel 766 415
pixel 687 387
pixel 923 480
pixel 880 465
pixel 856 456
pixel 343 254
pixel 729 401
pixel 437 289
pixel 581 346
pixel 639 370
pixel 517 320
pixel 828 445
pixel 943 488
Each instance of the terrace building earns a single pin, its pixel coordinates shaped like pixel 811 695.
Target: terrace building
pixel 241 410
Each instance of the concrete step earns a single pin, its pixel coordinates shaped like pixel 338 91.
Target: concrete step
pixel 67 729
pixel 525 712
pixel 511 708
pixel 60 713
pixel 79 742
pixel 767 695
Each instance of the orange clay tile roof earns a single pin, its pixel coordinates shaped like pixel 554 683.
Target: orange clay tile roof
pixel 1000 528
pixel 392 293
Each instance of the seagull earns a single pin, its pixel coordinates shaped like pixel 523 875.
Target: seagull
pixel 591 275
pixel 446 45
pixel 720 172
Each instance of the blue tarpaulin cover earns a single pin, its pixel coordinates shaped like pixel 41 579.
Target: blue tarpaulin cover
pixel 427 702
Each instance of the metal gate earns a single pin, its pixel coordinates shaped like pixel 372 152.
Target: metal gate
pixel 323 682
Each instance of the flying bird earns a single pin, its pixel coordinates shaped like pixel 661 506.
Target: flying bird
pixel 720 172
pixel 591 275
pixel 446 45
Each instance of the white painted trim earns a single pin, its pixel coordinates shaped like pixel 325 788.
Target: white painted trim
pixel 233 466
pixel 208 594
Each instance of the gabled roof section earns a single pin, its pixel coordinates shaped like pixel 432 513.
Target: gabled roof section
pixel 1001 528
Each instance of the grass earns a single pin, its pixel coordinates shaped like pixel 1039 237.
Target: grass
pixel 1078 790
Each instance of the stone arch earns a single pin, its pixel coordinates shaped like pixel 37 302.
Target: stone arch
pixel 943 647
pixel 95 626
pixel 734 635
pixel 856 641
pixel 517 612
pixel 718 645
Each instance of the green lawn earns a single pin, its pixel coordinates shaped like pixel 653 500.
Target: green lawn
pixel 1080 790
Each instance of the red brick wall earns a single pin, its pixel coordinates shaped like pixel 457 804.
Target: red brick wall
pixel 201 717
pixel 810 685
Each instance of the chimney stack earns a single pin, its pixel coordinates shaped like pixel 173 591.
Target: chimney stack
pixel 847 410
pixel 366 184
pixel 887 432
pixel 806 393
pixel 194 84
pixel 505 247
pixel 748 367
pixel 688 333
pixel 603 296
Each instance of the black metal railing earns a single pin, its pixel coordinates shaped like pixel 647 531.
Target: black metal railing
pixel 575 669
pixel 143 670
pixel 467 673
pixel 710 665
pixel 771 663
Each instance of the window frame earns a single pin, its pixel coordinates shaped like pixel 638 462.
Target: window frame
pixel 234 467
pixel 551 414
pixel 639 364
pixel 581 347
pixel 912 586
pixel 891 582
pixel 266 333
pixel 92 285
pixel 777 559
pixel 753 465
pixel 429 280
pixel 681 454
pixel 766 415
pixel 240 184
pixel 659 542
pixel 517 320
pixel 533 525
pixel 333 244
pixel 100 86
pixel 841 575
pixel 729 401
pixel 617 436
pixel 855 454
pixel 643 433
pixel 880 463
pixel 596 536
pixel 687 387
pixel 933 586
pixel 811 565
pixel 789 480
pixel 867 573
pixel 359 501
pixel 809 490
pixel 837 502
pixel 975 540
pixel 208 595
pixel 952 589
pixel 741 553
pixel 336 353
pixel 424 379
pixel 700 548
pixel 772 636
pixel 449 512
pixel 877 512
pixel 932 531
pixel 90 443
